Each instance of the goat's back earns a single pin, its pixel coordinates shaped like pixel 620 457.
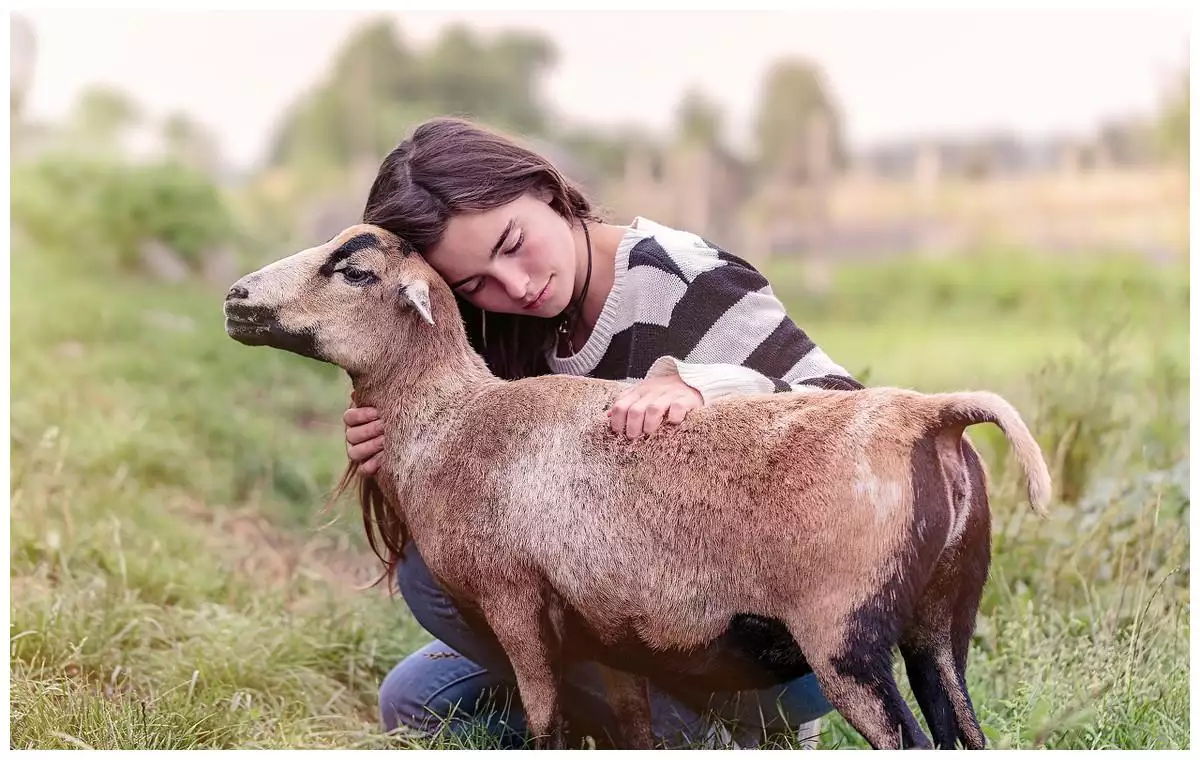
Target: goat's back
pixel 746 495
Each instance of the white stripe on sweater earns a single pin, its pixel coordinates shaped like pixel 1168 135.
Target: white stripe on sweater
pixel 740 330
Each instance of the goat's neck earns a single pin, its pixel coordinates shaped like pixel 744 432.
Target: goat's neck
pixel 411 391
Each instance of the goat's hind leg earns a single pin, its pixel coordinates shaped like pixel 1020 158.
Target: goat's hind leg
pixel 935 650
pixel 936 643
pixel 977 558
pixel 855 673
pixel 629 697
pixel 523 625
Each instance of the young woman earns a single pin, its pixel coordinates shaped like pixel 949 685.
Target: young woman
pixel 546 286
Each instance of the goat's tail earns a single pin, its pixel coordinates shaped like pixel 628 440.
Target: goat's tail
pixel 974 407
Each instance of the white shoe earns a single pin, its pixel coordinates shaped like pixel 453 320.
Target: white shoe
pixel 808 735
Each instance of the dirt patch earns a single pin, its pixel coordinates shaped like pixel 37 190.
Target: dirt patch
pixel 282 557
pixel 24 588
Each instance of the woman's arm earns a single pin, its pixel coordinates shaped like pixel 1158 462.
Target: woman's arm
pixel 731 324
pixel 739 340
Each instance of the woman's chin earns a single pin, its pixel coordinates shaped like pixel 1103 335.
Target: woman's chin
pixel 555 306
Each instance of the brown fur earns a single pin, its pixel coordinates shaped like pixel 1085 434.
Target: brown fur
pixel 858 520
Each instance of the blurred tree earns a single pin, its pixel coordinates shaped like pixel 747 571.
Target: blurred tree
pixel 518 62
pixel 1175 120
pixel 495 82
pixel 189 143
pixel 601 152
pixel 378 89
pixel 343 119
pixel 121 206
pixel 794 100
pixel 698 119
pixel 103 116
pixel 373 71
pixel 377 55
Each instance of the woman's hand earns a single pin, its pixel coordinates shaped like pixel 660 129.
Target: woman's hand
pixel 364 437
pixel 643 408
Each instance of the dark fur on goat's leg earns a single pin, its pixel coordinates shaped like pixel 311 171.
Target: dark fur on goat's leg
pixel 869 698
pixel 856 678
pixel 927 654
pixel 864 692
pixel 629 696
pixel 524 628
pixel 925 680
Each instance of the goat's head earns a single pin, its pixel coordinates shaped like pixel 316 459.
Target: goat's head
pixel 347 302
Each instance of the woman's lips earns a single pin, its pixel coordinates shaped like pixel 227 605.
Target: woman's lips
pixel 541 298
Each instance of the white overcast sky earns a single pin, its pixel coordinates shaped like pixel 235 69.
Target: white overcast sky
pixel 895 73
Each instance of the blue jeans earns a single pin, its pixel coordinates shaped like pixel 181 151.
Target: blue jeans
pixel 464 680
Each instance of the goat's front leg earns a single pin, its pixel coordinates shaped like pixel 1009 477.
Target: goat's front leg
pixel 523 626
pixel 629 697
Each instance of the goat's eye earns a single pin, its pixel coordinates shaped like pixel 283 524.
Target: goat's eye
pixel 357 276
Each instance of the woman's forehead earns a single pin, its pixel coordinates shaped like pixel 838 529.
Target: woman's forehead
pixel 466 245
pixel 471 238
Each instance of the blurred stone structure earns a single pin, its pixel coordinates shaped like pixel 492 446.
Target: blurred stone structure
pixel 936 196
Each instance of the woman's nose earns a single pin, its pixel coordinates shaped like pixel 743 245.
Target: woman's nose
pixel 515 283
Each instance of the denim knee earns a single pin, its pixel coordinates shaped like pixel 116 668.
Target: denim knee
pixel 437 688
pixel 755 715
pixel 799 701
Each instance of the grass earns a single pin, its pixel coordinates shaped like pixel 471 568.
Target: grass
pixel 176 584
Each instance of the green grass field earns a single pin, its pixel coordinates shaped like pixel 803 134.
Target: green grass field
pixel 176 582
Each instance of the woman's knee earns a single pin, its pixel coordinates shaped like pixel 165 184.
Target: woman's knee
pixel 754 715
pixel 800 701
pixel 436 688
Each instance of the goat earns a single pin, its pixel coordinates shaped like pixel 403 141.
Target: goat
pixel 762 538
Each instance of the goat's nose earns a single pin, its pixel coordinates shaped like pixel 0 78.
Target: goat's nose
pixel 236 292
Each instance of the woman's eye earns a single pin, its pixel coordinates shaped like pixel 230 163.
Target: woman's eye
pixel 517 245
pixel 356 276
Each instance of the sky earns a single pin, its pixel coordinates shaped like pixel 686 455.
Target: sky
pixel 895 74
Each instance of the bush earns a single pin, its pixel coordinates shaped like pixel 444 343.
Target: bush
pixel 103 209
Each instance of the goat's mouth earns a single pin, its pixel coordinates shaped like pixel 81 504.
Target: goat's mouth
pixel 250 324
pixel 251 333
pixel 258 326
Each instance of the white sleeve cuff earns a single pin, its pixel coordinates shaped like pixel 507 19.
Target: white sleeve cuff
pixel 713 381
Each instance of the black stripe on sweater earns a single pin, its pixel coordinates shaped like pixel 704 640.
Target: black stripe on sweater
pixel 649 253
pixel 780 350
pixel 833 383
pixel 709 296
pixel 614 364
pixel 631 352
pixel 725 255
pixel 649 344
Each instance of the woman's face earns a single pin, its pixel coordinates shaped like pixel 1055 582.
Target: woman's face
pixel 516 259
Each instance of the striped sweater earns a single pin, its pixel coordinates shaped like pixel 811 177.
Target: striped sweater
pixel 681 305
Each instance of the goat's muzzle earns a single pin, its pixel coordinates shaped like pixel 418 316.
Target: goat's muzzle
pixel 244 321
pixel 255 325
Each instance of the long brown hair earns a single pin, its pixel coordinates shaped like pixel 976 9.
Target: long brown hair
pixel 451 166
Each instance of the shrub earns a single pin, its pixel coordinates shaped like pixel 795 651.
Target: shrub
pixel 104 209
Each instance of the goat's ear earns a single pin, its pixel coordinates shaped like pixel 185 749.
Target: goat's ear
pixel 416 294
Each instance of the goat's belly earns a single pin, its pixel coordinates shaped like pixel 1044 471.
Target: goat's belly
pixel 753 652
